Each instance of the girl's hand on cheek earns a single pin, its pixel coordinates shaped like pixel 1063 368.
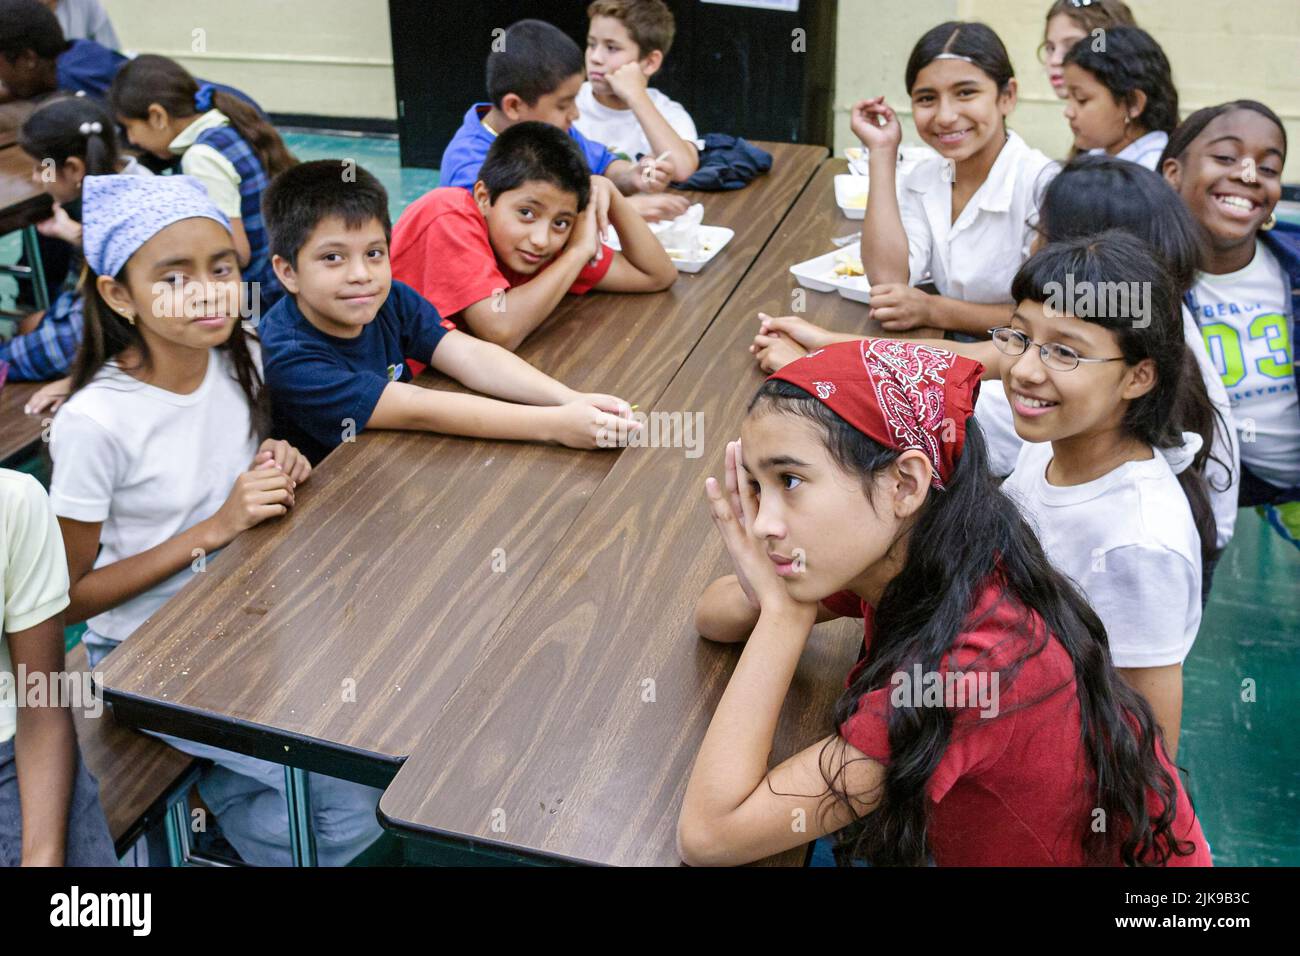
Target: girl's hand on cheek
pixel 733 515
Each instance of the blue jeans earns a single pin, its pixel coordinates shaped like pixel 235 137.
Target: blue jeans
pixel 247 795
pixel 88 842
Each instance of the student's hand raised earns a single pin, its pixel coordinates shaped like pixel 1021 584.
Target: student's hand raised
pixel 866 121
pixel 287 458
pixel 900 307
pixel 733 515
pixel 593 421
pixel 259 493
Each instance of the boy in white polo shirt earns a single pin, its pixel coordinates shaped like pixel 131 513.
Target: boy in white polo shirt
pixel 626 45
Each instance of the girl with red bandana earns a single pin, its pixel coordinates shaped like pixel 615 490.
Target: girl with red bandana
pixel 983 724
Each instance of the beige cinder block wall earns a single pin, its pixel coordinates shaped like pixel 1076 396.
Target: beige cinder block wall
pixel 1219 51
pixel 321 57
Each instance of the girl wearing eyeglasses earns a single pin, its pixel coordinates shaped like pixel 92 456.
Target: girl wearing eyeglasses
pixel 1068 22
pixel 1103 395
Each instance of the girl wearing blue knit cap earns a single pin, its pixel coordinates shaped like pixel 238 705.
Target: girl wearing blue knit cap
pixel 159 456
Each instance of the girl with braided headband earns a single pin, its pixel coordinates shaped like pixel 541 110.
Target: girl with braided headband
pixel 983 724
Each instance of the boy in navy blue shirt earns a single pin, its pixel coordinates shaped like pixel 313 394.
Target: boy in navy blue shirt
pixel 536 75
pixel 335 348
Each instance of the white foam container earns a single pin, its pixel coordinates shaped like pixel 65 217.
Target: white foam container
pixel 819 275
pixel 847 187
pixel 716 236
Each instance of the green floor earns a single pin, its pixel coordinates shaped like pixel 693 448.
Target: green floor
pixel 1240 754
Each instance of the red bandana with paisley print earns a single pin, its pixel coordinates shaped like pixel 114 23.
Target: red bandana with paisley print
pixel 902 395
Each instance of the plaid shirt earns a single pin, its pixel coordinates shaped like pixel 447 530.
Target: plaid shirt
pixel 48 352
pixel 252 181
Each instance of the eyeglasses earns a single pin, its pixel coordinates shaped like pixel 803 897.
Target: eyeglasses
pixel 1054 356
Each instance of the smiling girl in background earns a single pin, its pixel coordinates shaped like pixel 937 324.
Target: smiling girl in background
pixel 963 217
pixel 1226 163
pixel 1109 401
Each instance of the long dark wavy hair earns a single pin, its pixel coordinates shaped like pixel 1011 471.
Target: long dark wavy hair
pixel 1179 402
pixel 107 335
pixel 1095 193
pixel 963 537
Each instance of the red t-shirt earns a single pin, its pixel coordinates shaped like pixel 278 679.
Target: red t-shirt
pixel 1010 789
pixel 441 249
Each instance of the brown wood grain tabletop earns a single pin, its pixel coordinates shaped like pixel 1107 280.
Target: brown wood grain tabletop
pixel 19 432
pixel 574 734
pixel 22 202
pixel 331 639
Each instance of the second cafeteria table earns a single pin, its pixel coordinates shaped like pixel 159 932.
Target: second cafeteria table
pixel 330 640
pixel 574 735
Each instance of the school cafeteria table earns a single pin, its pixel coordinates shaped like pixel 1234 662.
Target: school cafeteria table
pixel 331 640
pixel 573 736
pixel 19 432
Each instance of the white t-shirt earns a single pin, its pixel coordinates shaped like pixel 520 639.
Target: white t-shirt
pixel 1128 540
pixel 34 574
pixel 975 258
pixel 618 130
pixel 1145 150
pixel 993 412
pixel 149 464
pixel 1245 320
pixel 1225 478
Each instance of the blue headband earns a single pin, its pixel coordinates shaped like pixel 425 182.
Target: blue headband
pixel 121 213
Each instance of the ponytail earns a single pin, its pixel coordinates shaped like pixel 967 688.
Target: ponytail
pixel 150 79
pixel 72 127
pixel 259 134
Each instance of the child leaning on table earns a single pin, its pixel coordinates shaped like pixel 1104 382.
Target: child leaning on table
pixel 337 344
pixel 627 42
pixel 498 261
pixel 49 803
pixel 535 76
pixel 159 457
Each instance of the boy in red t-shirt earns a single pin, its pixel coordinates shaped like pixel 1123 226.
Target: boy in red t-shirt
pixel 497 262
